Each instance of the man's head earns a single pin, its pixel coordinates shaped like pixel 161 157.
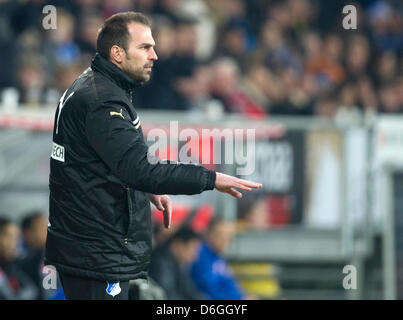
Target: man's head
pixel 225 76
pixel 9 235
pixel 126 40
pixel 34 227
pixel 184 244
pixel 220 234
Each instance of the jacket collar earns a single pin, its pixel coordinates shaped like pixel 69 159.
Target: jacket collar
pixel 113 73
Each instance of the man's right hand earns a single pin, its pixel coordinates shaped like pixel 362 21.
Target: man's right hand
pixel 227 184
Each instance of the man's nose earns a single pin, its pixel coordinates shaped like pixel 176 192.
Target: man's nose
pixel 153 55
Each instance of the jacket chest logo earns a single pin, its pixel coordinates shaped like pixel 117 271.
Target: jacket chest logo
pixel 114 113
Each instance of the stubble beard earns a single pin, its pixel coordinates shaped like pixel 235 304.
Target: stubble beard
pixel 140 75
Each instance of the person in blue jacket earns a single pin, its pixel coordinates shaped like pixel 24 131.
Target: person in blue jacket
pixel 210 272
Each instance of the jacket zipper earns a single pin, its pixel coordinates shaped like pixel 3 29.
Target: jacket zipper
pixel 130 205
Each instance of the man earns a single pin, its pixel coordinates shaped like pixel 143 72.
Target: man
pixel 33 228
pixel 102 178
pixel 170 263
pixel 210 271
pixel 15 284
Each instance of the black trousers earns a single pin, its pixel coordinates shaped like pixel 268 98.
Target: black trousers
pixel 76 288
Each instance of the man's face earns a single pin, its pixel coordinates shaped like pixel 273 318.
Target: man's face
pixel 139 57
pixel 221 236
pixel 35 236
pixel 8 241
pixel 188 250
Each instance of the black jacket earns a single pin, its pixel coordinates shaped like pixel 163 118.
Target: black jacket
pixel 15 284
pixel 101 177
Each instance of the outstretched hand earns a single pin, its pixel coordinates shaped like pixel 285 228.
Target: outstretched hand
pixel 163 203
pixel 223 183
pixel 227 184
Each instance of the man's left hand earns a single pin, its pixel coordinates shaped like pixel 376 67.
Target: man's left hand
pixel 163 203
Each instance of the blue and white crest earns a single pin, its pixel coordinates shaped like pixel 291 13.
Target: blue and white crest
pixel 113 288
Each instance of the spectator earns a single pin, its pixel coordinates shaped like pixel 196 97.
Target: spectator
pixel 87 35
pixel 234 45
pixel 305 53
pixel 275 52
pixel 184 62
pixel 32 80
pixel 253 213
pixel 326 106
pixel 110 7
pixel 33 228
pixel 168 8
pixel 196 90
pixel 386 68
pixel 210 271
pixel 60 47
pixel 173 71
pixel 145 6
pixel 225 87
pixel 170 262
pixel 348 108
pixel 256 84
pixel 390 101
pixel 206 29
pixel 367 97
pixel 15 284
pixel 164 32
pixel 65 76
pixel 386 24
pixel 8 45
pixel 357 57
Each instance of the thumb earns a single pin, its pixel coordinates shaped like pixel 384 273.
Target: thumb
pixel 160 206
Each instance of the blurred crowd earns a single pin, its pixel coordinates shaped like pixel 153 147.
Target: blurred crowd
pixel 255 57
pixel 186 264
pixel 191 265
pixel 21 258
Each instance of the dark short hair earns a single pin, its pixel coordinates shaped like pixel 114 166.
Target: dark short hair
pixel 4 222
pixel 29 219
pixel 185 234
pixel 114 31
pixel 215 221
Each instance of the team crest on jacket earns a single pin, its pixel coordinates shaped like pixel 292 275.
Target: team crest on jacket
pixel 113 288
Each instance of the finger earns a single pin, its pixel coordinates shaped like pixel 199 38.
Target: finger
pixel 160 206
pixel 167 220
pixel 234 193
pixel 167 214
pixel 166 203
pixel 241 186
pixel 159 203
pixel 249 184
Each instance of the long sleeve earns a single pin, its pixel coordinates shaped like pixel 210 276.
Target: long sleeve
pixel 122 147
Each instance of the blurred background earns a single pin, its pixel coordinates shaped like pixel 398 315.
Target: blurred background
pixel 325 104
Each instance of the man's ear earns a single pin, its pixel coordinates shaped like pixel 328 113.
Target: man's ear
pixel 117 54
